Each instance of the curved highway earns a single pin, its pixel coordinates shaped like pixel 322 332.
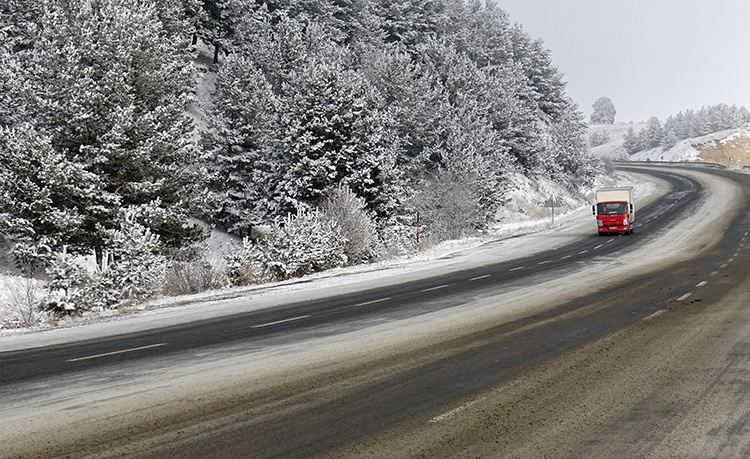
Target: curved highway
pixel 355 407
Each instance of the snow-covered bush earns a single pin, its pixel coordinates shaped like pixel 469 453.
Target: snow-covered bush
pixel 349 212
pixel 66 282
pixel 134 270
pixel 598 138
pixel 301 243
pixel 243 263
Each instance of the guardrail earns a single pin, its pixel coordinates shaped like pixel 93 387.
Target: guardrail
pixel 671 163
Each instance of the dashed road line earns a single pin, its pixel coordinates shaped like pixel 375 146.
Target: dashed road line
pixel 516 269
pixel 455 411
pixel 566 257
pixel 280 322
pixel 479 277
pixel 434 288
pixel 701 284
pixel 656 314
pixel 599 246
pixel 684 297
pixel 582 252
pixel 367 303
pixel 116 352
pixel 544 262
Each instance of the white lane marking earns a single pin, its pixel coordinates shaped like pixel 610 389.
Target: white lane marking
pixel 609 241
pixel 599 246
pixel 656 314
pixel 516 269
pixel 713 273
pixel 684 297
pixel 366 303
pixel 702 283
pixel 544 262
pixel 454 411
pixel 582 252
pixel 723 266
pixel 280 322
pixel 116 352
pixel 479 277
pixel 566 256
pixel 434 288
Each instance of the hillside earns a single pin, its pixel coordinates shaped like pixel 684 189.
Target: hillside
pixel 718 147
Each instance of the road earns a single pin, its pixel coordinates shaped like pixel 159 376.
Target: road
pixel 467 363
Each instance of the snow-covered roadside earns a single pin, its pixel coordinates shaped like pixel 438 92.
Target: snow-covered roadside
pixel 516 236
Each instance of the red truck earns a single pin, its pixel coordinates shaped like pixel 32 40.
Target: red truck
pixel 614 210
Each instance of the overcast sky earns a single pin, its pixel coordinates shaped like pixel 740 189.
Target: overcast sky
pixel 651 57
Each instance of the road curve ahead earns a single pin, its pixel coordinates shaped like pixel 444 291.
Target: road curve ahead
pixel 479 362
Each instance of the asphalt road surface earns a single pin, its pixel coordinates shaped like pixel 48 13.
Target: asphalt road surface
pixel 604 346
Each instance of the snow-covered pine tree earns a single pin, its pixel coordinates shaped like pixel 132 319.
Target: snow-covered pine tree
pixel 652 134
pixel 112 89
pixel 137 266
pixel 244 125
pixel 330 134
pixel 567 156
pixel 41 196
pixel 631 141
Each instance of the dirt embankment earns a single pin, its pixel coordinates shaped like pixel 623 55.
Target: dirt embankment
pixel 733 151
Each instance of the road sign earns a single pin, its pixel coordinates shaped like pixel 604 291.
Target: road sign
pixel 552 203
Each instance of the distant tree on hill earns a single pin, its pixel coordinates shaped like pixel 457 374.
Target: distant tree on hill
pixel 631 141
pixel 604 111
pixel 653 134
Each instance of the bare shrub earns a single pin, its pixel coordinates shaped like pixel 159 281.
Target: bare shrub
pixel 195 276
pixel 449 206
pixel 24 301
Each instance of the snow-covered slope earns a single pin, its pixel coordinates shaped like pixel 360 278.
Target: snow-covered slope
pixel 730 147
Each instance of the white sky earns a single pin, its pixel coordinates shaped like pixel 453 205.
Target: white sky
pixel 651 57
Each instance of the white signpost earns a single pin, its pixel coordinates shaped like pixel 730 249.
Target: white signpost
pixel 552 203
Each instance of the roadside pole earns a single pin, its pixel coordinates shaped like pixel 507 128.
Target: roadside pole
pixel 552 203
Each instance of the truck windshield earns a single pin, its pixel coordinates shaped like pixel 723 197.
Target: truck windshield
pixel 612 208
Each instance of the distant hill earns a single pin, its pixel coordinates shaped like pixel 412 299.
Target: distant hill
pixel 718 147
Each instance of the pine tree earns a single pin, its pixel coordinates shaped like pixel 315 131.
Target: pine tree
pixel 653 134
pixel 114 99
pixel 631 142
pixel 244 121
pixel 331 134
pixel 43 195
